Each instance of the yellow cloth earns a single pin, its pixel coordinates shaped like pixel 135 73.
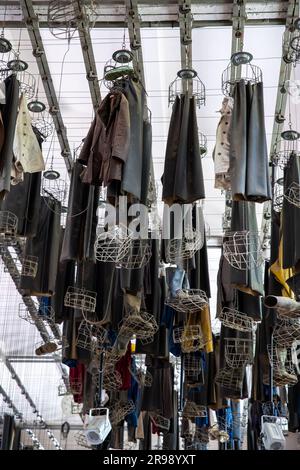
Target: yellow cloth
pixel 201 318
pixel 281 274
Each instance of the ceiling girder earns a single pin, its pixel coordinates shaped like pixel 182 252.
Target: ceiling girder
pixel 32 23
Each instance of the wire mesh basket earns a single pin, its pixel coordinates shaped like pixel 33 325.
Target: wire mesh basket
pixel 27 81
pixel 138 254
pixel 238 352
pixel 81 299
pixel 292 194
pixel 236 320
pixel 8 224
pixel 186 333
pixel 286 331
pixel 90 337
pixel 278 195
pixel 230 379
pixel 243 249
pixel 179 249
pixel 160 421
pixel 284 372
pixel 112 246
pixel 81 440
pixel 247 72
pixel 192 410
pixel 64 16
pixel 188 301
pixel 202 144
pixel 192 364
pixel 141 324
pixel 43 122
pixel 190 338
pixel 119 411
pixel 112 379
pixel 63 389
pixel 184 78
pixel 56 189
pixel 281 158
pixel 30 266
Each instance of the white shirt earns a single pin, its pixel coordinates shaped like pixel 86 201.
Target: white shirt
pixel 27 151
pixel 222 147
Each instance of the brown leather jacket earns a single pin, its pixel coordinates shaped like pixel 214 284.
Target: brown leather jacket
pixel 105 149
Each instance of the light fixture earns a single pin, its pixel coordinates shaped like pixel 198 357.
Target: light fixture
pixel 290 135
pixel 51 174
pixel 187 74
pixel 122 56
pixel 17 65
pixel 36 106
pixel 241 58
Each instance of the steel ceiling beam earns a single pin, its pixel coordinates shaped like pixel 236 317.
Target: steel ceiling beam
pixel 134 30
pixel 12 269
pixel 26 395
pixel 165 14
pixel 280 108
pixel 88 56
pixel 32 23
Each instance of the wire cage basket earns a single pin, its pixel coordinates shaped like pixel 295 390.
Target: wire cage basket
pixel 278 195
pixel 183 248
pixel 192 410
pixel 236 320
pixel 63 388
pixel 64 16
pixel 292 194
pixel 90 336
pixel 160 421
pixel 27 81
pixel 188 300
pixel 43 122
pixel 29 266
pixel 138 254
pixel 112 246
pixel 243 250
pixel 81 299
pixel 141 324
pixel 187 78
pixel 281 158
pixel 202 144
pixel 119 410
pixel 81 440
pixel 118 67
pixel 286 331
pixel 192 364
pixel 55 188
pixel 8 224
pixel 238 352
pixel 42 314
pixel 190 338
pixel 240 68
pixel 112 379
pixel 284 372
pixel 230 379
